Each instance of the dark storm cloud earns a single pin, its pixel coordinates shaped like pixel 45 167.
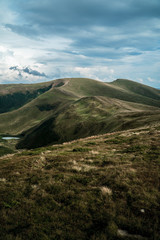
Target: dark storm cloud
pixel 123 22
pixel 26 30
pixel 28 71
pixel 14 68
pixel 61 13
pixel 33 72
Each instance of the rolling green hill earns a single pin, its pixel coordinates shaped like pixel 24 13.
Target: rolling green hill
pixel 71 108
pixel 137 88
pixel 89 116
pixel 88 87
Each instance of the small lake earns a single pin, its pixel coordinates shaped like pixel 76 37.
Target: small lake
pixel 9 138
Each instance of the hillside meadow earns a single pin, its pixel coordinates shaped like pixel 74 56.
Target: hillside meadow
pixel 100 187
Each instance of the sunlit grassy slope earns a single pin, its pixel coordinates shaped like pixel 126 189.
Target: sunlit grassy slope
pixel 102 187
pixel 119 89
pixel 137 88
pixel 73 108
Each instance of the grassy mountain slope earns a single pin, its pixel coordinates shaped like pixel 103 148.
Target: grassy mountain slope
pixel 78 107
pixel 88 87
pixel 33 113
pixel 13 96
pixel 137 88
pixel 102 187
pixel 89 116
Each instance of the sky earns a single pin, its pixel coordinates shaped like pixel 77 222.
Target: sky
pixel 100 39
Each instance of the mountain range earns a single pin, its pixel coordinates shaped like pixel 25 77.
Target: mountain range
pixel 71 108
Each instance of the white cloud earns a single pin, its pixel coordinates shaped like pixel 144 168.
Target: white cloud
pixel 151 79
pixel 102 73
pixel 140 80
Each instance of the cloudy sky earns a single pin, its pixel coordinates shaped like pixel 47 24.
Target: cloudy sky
pixel 41 40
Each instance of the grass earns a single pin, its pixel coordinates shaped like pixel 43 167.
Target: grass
pixel 80 149
pixel 85 189
pixel 137 88
pixel 5 150
pixel 16 95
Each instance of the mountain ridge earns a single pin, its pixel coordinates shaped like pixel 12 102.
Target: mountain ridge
pixel 80 107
